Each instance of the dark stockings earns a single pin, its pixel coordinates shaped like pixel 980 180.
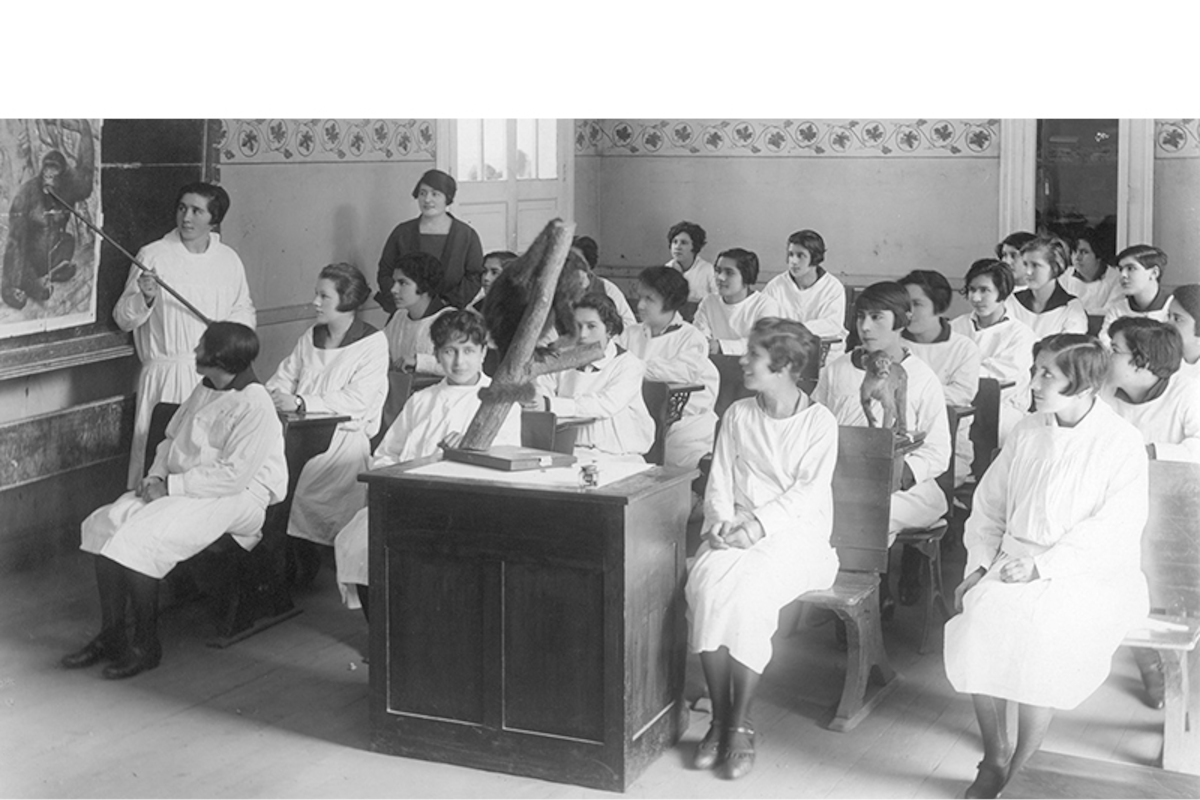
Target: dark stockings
pixel 998 753
pixel 110 581
pixel 143 590
pixel 731 686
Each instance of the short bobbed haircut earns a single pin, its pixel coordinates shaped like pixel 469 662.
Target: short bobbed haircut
pixel 1016 240
pixel 590 250
pixel 1080 357
pixel 1100 239
pixel 1153 345
pixel 440 181
pixel 216 197
pixel 1188 298
pixel 1051 248
pixel 933 284
pixel 351 285
pixel 1147 255
pixel 746 262
pixel 462 325
pixel 668 283
pixel 999 273
pixel 812 242
pixel 788 344
pixel 695 233
pixel 886 296
pixel 423 269
pixel 603 305
pixel 229 346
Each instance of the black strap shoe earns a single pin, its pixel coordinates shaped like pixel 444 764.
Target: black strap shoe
pixel 136 661
pixel 104 647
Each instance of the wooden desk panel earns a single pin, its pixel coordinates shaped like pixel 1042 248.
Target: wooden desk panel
pixel 532 631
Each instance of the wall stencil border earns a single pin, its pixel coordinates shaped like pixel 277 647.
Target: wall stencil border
pixel 281 141
pixel 865 137
pixel 1177 138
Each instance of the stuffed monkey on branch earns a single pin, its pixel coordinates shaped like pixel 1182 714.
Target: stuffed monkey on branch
pixel 531 295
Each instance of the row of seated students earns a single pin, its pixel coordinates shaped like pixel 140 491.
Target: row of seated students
pixel 219 467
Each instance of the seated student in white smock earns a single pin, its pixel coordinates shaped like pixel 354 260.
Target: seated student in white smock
pixel 340 366
pixel 1053 574
pixel 674 351
pixel 686 240
pixel 193 261
pixel 807 293
pixel 414 285
pixel 589 250
pixel 1142 294
pixel 1148 392
pixel 1092 278
pixel 219 467
pixel 881 314
pixel 725 318
pixel 1184 313
pixel 1005 345
pixel 436 416
pixel 609 390
pixel 1044 305
pixel 955 359
pixel 768 516
pixel 1008 250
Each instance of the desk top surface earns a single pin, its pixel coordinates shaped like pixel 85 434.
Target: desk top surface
pixel 478 479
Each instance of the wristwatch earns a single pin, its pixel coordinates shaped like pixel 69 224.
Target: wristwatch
pixel 299 404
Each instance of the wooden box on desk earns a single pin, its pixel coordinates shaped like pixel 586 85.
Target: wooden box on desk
pixel 532 630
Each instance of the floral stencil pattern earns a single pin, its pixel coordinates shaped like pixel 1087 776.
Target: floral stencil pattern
pixel 311 140
pixel 1177 138
pixel 977 138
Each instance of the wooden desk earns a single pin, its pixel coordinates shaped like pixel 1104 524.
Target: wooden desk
pixel 528 630
pixel 1048 774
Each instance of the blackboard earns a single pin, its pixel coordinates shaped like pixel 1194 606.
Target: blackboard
pixel 143 162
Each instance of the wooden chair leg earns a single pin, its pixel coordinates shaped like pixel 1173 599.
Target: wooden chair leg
pixel 866 664
pixel 1181 725
pixel 935 600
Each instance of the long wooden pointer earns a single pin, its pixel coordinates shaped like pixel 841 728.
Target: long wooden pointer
pixel 127 254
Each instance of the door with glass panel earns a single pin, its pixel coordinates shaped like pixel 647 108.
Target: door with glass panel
pixel 514 175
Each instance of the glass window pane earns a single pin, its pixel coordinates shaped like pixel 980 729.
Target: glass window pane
pixel 547 149
pixel 495 149
pixel 1076 175
pixel 469 145
pixel 526 148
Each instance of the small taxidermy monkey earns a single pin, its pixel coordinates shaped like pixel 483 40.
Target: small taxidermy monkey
pixel 885 382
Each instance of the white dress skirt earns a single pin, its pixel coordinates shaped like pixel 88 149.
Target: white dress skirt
pixel 781 470
pixel 1075 499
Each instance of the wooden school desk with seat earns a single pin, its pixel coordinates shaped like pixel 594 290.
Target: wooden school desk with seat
pixel 251 589
pixel 525 624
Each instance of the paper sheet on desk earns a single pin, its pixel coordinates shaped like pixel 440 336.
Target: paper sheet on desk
pixel 558 477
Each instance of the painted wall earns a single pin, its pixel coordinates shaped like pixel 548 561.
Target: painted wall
pixel 888 196
pixel 1177 198
pixel 307 193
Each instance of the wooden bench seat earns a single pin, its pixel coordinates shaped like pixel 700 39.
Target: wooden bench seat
pixel 1048 774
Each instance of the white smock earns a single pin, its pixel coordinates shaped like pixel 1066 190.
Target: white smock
pixel 730 323
pixel 955 359
pixel 610 392
pixel 1158 310
pixel 426 419
pixel 223 463
pixel 166 334
pixel 821 307
pixel 680 355
pixel 1006 350
pixel 410 337
pixel 1063 313
pixel 1169 420
pixel 1095 295
pixel 350 380
pixel 781 471
pixel 1075 499
pixel 923 503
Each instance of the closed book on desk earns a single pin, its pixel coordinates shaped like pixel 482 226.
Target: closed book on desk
pixel 511 458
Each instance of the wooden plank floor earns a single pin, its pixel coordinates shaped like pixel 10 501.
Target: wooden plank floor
pixel 284 714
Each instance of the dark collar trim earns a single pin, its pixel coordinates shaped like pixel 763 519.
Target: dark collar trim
pixel 1156 304
pixel 1058 298
pixel 358 330
pixel 942 337
pixel 1156 391
pixel 239 382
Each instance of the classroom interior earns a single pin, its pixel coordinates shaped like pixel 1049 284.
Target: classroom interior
pixel 285 712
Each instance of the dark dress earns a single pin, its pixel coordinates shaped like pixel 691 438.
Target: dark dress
pixel 462 262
